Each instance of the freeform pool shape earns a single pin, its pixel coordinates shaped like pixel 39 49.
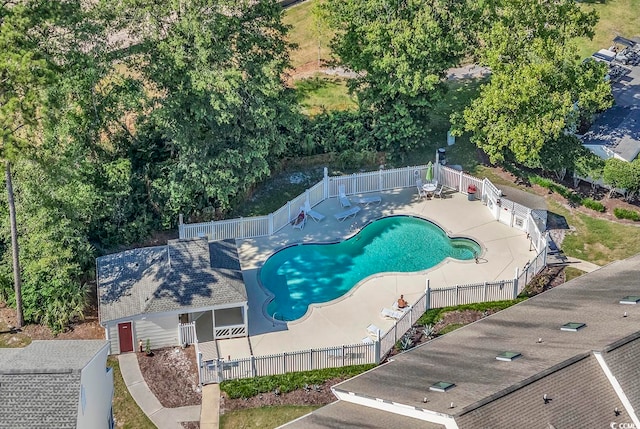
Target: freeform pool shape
pixel 304 274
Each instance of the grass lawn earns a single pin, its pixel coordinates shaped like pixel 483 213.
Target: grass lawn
pixel 324 93
pixel 460 94
pixel 306 32
pixel 265 417
pixel 597 240
pixel 125 410
pixel 571 273
pixel 617 18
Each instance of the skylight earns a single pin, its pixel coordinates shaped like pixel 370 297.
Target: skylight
pixel 632 299
pixel 441 386
pixel 572 326
pixel 508 356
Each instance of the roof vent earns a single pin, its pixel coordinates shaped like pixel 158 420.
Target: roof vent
pixel 508 356
pixel 441 386
pixel 572 326
pixel 632 299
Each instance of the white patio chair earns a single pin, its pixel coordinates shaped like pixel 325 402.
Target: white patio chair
pixel 421 192
pixel 438 193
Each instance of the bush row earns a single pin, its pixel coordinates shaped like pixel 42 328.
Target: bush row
pixel 435 314
pixel 570 195
pixel 248 387
pixel 626 214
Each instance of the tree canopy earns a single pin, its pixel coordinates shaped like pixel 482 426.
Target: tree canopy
pixel 538 90
pixel 400 51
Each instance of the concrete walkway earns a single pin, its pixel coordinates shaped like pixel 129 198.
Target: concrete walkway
pixel 163 418
pixel 581 265
pixel 210 414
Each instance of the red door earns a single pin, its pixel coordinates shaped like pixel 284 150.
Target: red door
pixel 126 337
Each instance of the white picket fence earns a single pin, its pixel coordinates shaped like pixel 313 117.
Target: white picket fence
pixel 218 370
pixel 517 216
pixel 261 226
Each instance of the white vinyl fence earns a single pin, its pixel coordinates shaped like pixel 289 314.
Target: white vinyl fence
pixel 218 370
pixel 503 210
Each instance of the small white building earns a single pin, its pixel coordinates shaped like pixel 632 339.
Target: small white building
pixel 56 384
pixel 148 293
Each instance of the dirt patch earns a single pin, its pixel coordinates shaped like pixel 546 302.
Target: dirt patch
pixel 313 395
pixel 172 376
pixel 87 329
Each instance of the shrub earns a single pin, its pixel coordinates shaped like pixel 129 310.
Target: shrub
pixel 430 317
pixel 541 181
pixel 626 214
pixel 593 205
pixel 248 387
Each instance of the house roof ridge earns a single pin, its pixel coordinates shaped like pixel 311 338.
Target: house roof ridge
pixel 527 381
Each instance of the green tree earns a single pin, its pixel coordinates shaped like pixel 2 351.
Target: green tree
pixel 622 175
pixel 219 107
pixel 539 91
pixel 400 51
pixel 25 72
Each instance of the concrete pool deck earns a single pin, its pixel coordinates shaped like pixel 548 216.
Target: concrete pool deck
pixel 344 320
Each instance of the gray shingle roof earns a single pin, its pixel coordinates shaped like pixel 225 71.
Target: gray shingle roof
pixel 618 129
pixel 579 394
pixel 466 356
pixel 624 361
pixel 341 414
pixel 40 383
pixel 51 356
pixel 184 274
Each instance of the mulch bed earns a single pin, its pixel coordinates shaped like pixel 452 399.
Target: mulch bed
pixel 311 396
pixel 172 376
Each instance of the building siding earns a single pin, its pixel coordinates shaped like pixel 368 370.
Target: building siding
pixel 114 345
pixel 96 385
pixel 161 330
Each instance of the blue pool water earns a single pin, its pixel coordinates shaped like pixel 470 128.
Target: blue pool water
pixel 313 273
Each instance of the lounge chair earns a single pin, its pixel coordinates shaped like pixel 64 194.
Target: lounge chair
pixel 347 213
pixel 342 197
pixel 312 213
pixel 373 331
pixel 395 307
pixel 367 340
pixel 365 201
pixel 392 314
pixel 300 220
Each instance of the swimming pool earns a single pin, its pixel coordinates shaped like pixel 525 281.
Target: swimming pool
pixel 314 273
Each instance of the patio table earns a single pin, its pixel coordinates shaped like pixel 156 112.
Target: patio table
pixel 429 188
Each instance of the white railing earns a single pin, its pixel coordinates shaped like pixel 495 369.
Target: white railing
pixel 187 333
pixel 218 370
pixel 230 331
pixel 521 217
pixel 531 269
pixel 261 226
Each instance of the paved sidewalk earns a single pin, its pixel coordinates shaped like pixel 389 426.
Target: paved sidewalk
pixel 163 418
pixel 210 414
pixel 585 266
